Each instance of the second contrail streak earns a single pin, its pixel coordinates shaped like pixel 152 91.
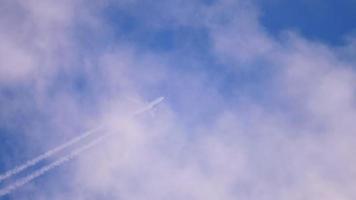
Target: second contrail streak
pixel 46 155
pixel 48 167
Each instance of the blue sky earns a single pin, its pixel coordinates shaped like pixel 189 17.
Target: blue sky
pixel 259 98
pixel 324 21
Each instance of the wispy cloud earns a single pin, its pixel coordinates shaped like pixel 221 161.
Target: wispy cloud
pixel 266 117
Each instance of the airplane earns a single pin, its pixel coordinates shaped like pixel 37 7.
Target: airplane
pixel 149 106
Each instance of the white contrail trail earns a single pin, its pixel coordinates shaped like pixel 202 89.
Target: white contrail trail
pixel 46 155
pixel 48 167
pixel 63 159
pixel 51 152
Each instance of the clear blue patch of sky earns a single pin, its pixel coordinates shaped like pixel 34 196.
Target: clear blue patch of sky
pixel 327 21
pixel 131 27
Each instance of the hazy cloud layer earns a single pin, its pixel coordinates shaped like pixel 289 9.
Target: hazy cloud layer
pixel 248 116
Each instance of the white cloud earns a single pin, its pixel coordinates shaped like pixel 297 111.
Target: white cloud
pixel 246 150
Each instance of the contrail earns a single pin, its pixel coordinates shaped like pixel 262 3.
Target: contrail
pixel 46 155
pixel 63 159
pixel 48 167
